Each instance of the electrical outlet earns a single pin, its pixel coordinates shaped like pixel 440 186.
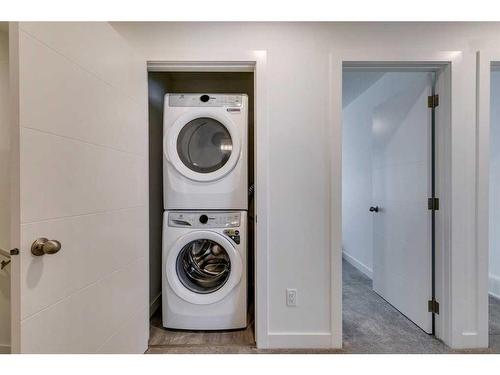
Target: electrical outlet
pixel 291 297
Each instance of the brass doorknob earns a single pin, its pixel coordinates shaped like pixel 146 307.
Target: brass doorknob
pixel 44 246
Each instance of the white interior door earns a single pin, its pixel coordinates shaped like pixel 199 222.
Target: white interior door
pixel 401 186
pixel 83 182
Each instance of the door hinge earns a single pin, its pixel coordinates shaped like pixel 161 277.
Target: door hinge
pixel 433 306
pixel 433 204
pixel 433 101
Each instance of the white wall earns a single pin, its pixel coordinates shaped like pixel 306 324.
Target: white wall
pixel 494 209
pixel 363 140
pixel 4 192
pixel 357 189
pixel 298 92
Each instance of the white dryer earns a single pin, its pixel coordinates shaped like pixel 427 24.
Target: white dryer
pixel 205 151
pixel 204 281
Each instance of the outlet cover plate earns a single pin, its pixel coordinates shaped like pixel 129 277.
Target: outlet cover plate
pixel 291 297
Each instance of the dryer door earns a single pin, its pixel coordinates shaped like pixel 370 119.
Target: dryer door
pixel 203 267
pixel 203 145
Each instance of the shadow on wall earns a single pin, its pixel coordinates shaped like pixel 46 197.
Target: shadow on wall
pixel 390 114
pixel 355 83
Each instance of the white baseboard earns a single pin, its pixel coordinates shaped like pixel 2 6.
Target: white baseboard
pixel 299 340
pixel 4 349
pixel 469 340
pixel 494 286
pixel 358 265
pixel 155 305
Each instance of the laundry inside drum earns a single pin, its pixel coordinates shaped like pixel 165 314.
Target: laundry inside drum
pixel 203 266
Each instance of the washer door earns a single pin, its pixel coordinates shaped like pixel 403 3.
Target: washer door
pixel 203 267
pixel 202 145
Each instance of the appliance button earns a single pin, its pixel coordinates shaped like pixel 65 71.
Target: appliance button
pixel 204 98
pixel 203 219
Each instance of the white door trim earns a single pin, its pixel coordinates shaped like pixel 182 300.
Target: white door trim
pixel 15 203
pixel 201 66
pixel 458 323
pixel 485 59
pixel 255 61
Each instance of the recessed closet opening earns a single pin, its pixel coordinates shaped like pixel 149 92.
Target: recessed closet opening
pixel 203 210
pixel 393 195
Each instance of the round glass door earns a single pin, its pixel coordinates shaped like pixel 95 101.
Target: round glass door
pixel 203 266
pixel 204 145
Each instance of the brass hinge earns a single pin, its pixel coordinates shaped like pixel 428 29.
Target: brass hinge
pixel 433 306
pixel 433 101
pixel 433 204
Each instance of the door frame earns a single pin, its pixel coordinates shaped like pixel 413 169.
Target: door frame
pixel 15 192
pixel 453 274
pixel 431 71
pixel 250 61
pixel 486 59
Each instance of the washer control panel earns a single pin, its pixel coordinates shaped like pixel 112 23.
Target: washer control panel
pixel 233 234
pixel 201 219
pixel 204 100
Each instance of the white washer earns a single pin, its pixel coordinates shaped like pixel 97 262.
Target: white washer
pixel 205 151
pixel 204 281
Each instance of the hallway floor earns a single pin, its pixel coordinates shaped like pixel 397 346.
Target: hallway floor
pixel 371 325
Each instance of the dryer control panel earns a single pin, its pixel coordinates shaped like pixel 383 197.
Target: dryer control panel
pixel 204 219
pixel 204 100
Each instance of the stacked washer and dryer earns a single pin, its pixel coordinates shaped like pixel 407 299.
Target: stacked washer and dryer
pixel 205 179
